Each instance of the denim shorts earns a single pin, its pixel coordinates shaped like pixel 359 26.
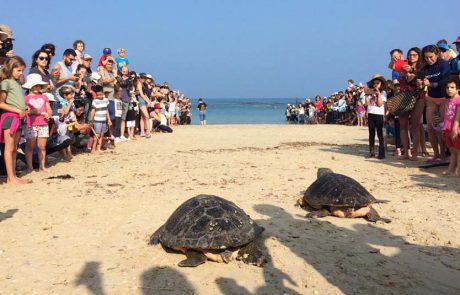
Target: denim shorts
pixel 142 102
pixel 100 128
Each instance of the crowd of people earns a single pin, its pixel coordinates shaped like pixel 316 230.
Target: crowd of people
pixel 420 99
pixel 72 105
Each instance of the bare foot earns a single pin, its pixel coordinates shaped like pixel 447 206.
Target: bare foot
pixel 448 173
pixel 44 170
pixel 14 181
pixel 25 181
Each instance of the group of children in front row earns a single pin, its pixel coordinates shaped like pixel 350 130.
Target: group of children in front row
pixel 35 112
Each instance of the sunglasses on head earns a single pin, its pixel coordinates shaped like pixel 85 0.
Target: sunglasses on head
pixel 43 58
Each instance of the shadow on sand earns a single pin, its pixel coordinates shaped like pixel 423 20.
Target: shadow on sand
pixel 8 214
pixel 165 280
pixel 91 278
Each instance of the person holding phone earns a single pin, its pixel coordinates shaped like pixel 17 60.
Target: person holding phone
pixel 375 100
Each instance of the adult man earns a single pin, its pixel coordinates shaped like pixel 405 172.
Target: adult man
pixel 87 63
pixel 125 83
pixel 6 43
pixel 62 74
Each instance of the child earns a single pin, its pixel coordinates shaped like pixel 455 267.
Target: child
pixel 14 110
pixel 131 118
pixel 121 59
pixel 39 114
pixel 67 116
pixel 100 117
pixel 451 124
pixel 360 111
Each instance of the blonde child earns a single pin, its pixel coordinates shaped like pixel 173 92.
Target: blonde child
pixel 67 115
pixel 14 110
pixel 451 128
pixel 38 116
pixel 99 117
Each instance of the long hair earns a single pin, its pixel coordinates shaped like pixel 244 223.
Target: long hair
pixel 420 63
pixel 35 56
pixel 10 65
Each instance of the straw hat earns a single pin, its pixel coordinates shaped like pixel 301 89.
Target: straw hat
pixel 32 80
pixel 379 77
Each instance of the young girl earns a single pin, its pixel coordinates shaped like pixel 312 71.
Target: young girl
pixel 14 110
pixel 451 124
pixel 131 118
pixel 38 116
pixel 67 115
pixel 360 110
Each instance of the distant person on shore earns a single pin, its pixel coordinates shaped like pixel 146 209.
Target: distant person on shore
pixel 201 107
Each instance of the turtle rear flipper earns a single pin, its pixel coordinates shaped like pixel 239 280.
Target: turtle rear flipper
pixel 373 216
pixel 194 258
pixel 252 253
pixel 155 237
pixel 380 201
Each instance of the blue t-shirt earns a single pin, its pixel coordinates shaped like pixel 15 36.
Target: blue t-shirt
pixel 121 62
pixel 436 73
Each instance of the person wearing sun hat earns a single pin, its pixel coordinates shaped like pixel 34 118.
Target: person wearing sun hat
pixel 375 100
pixel 38 115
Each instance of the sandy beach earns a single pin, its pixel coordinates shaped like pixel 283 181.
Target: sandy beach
pixel 89 234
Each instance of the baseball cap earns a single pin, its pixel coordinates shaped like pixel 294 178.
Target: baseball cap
pixel 143 75
pixel 107 51
pixel 157 106
pixel 5 32
pixel 443 46
pixel 87 56
pixel 456 40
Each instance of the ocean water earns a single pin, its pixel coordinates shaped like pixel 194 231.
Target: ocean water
pixel 243 110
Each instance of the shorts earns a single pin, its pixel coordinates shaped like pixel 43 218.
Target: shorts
pixel 142 102
pixel 37 131
pixel 100 127
pixel 124 110
pixel 360 115
pixel 455 144
pixel 131 124
pixel 8 121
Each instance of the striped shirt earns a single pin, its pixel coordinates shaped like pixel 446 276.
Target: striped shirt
pixel 101 107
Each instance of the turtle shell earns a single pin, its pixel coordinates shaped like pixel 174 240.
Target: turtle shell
pixel 208 222
pixel 337 190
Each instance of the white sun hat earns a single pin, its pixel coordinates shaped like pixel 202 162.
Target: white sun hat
pixel 50 96
pixel 32 80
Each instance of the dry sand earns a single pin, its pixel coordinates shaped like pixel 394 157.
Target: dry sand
pixel 88 235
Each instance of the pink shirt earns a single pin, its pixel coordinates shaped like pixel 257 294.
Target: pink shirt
pixel 360 109
pixel 36 102
pixel 449 114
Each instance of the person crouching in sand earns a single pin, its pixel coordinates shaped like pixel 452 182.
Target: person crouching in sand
pixel 451 128
pixel 99 117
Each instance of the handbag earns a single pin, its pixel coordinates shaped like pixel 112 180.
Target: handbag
pixel 403 102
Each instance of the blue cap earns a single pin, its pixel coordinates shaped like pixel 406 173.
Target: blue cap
pixel 443 46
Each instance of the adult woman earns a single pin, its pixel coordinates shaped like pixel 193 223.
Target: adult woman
pixel 318 107
pixel 40 62
pixel 408 82
pixel 376 112
pixel 434 71
pixel 144 102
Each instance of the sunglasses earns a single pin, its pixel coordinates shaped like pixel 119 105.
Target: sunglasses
pixel 43 58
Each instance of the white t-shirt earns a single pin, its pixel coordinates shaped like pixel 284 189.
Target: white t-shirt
pixel 372 108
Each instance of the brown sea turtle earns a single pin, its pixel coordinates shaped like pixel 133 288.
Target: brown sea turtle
pixel 339 195
pixel 210 227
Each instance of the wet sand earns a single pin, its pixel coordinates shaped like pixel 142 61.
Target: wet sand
pixel 89 234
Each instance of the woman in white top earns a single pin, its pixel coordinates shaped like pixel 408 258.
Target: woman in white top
pixel 376 111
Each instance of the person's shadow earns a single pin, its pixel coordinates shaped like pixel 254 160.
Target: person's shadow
pixel 91 278
pixel 165 280
pixel 8 214
pixel 365 260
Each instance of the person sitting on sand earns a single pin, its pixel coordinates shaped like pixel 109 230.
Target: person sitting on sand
pixel 159 120
pixel 451 128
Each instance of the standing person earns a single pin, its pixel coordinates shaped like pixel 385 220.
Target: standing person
pixel 451 124
pixel 40 64
pixel 121 60
pixel 37 117
pixel 144 102
pixel 360 112
pixel 301 114
pixel 201 107
pixel 14 110
pixel 319 107
pixel 62 74
pixel 408 83
pixel 126 86
pixel 376 112
pixel 435 72
pixel 100 117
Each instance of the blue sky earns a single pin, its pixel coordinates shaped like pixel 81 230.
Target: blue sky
pixel 240 48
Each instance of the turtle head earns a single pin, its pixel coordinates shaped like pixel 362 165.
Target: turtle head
pixel 323 171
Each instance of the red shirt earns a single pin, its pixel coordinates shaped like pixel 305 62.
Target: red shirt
pixel 318 105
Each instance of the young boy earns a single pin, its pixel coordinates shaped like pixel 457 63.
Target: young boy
pixel 66 117
pixel 99 117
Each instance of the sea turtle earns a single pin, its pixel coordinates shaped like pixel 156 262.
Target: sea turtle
pixel 210 227
pixel 341 196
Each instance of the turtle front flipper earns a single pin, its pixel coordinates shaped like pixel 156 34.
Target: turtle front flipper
pixel 155 237
pixel 373 216
pixel 253 253
pixel 194 258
